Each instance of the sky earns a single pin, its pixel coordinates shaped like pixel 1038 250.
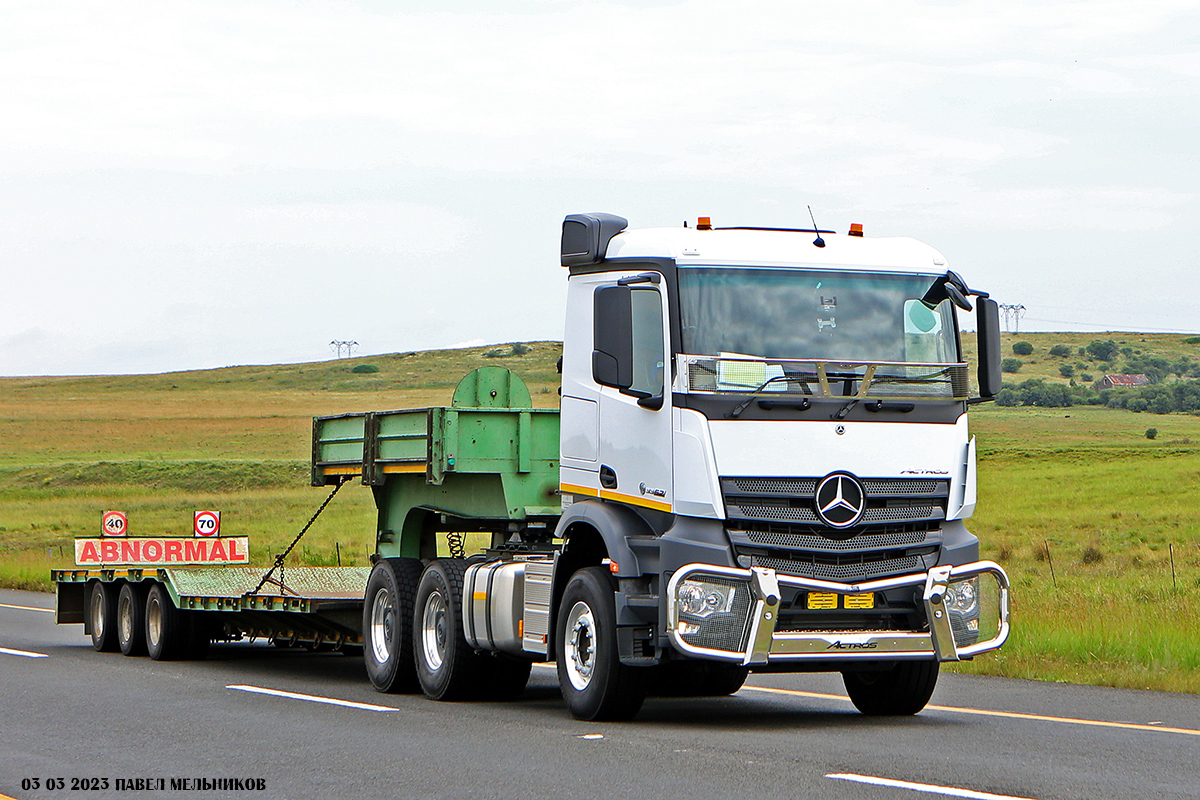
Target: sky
pixel 189 185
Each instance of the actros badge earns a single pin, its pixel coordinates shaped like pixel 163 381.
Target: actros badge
pixel 840 500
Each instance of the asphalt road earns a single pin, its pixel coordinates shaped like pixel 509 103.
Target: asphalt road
pixel 86 717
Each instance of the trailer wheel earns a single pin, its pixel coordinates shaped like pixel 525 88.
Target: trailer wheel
pixel 902 690
pixel 595 684
pixel 387 625
pixel 102 613
pixel 167 629
pixel 446 665
pixel 131 615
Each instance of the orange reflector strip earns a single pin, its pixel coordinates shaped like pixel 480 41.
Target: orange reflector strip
pixel 704 224
pixel 856 229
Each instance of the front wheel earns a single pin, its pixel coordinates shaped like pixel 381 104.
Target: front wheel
pixel 903 689
pixel 595 684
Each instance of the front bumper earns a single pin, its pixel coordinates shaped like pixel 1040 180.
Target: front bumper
pixel 747 630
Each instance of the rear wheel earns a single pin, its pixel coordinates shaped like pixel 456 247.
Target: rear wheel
pixel 131 619
pixel 102 614
pixel 595 684
pixel 446 665
pixel 387 625
pixel 168 633
pixel 902 690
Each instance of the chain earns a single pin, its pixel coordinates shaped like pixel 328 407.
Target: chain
pixel 455 540
pixel 279 558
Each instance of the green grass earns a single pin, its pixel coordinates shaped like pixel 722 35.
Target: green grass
pixel 1079 488
pixel 1088 517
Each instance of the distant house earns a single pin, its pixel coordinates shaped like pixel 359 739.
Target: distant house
pixel 1122 381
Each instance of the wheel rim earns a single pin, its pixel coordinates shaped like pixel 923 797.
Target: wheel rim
pixel 434 631
pixel 154 621
pixel 124 619
pixel 383 620
pixel 580 645
pixel 98 613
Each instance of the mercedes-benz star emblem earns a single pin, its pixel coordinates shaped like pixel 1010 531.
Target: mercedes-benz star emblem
pixel 840 500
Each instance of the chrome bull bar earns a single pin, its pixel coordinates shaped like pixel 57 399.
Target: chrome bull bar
pixel 763 644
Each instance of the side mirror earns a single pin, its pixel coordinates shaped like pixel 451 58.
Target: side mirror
pixel 987 317
pixel 612 337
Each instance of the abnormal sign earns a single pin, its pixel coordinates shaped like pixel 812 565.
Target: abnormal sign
pixel 114 523
pixel 207 524
pixel 159 552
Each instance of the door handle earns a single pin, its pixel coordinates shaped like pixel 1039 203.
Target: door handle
pixel 608 478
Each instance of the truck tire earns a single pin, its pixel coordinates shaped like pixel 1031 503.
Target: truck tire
pixel 595 684
pixel 168 633
pixel 102 613
pixel 697 679
pixel 387 625
pixel 446 665
pixel 900 691
pixel 131 619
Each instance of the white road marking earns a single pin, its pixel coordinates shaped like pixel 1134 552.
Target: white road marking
pixel 924 787
pixel 25 653
pixel 312 698
pixel 28 608
pixel 982 712
pixel 591 736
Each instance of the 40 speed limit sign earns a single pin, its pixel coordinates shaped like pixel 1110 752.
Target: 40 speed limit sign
pixel 114 523
pixel 207 524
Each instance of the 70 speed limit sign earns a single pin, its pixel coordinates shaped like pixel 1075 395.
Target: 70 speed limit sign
pixel 207 524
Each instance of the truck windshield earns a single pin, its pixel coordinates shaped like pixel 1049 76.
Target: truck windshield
pixel 775 315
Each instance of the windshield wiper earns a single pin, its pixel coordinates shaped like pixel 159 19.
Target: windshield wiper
pixel 740 407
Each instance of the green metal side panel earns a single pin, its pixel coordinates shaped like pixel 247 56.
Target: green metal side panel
pixel 402 435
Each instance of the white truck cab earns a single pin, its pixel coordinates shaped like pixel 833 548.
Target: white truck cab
pixel 768 430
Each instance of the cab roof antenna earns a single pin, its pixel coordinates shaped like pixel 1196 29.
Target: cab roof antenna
pixel 819 242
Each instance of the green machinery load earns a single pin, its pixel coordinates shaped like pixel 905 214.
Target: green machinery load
pixel 488 462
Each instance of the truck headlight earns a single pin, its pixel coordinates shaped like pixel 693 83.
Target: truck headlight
pixel 963 596
pixel 703 599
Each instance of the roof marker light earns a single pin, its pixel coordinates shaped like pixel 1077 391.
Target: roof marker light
pixel 856 229
pixel 704 224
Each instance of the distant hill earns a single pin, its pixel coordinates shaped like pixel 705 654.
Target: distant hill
pixel 1133 353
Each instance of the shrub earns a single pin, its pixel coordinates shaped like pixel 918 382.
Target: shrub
pixel 1060 351
pixel 1092 555
pixel 1066 370
pixel 1011 365
pixel 514 350
pixel 1023 348
pixel 1102 351
pixel 1192 340
pixel 1151 433
pixel 365 368
pixel 1087 376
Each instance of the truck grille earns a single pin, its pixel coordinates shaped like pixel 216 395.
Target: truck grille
pixel 840 567
pixel 772 522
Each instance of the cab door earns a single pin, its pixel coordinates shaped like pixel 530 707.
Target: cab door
pixel 630 370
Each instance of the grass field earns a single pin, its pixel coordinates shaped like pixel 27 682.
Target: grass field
pixel 1088 515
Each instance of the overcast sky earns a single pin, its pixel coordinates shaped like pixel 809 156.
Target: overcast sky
pixel 189 185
